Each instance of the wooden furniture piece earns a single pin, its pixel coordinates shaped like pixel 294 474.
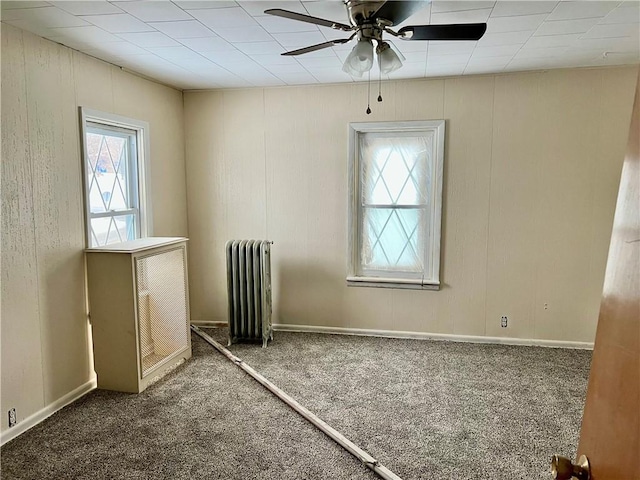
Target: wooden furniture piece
pixel 139 310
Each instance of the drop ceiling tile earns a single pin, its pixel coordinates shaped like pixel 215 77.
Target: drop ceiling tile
pixel 482 69
pixel 10 5
pixel 237 82
pixel 85 8
pixel 224 17
pixel 447 59
pixel 322 62
pixel 577 10
pixel 244 34
pixel 538 64
pixel 512 9
pixel 496 51
pixel 623 14
pixel 622 44
pixel 451 48
pixel 47 17
pixel 278 70
pixel 198 4
pixel 331 75
pixel 508 38
pixel 515 24
pixel 284 25
pixel 154 11
pixel 274 61
pixel 445 70
pixel 464 16
pixel 201 66
pixel 500 61
pixel 454 6
pixel 343 54
pixel 149 39
pixel 620 58
pixel 183 29
pixel 146 61
pixel 207 44
pixel 31 27
pixel 298 78
pixel 257 48
pixel 415 56
pixel 613 30
pixel 180 51
pixel 552 41
pixel 540 52
pixel 409 70
pixel 118 23
pixel 119 49
pixel 246 69
pixel 256 9
pixel 334 11
pixel 421 17
pixel 90 35
pixel 565 27
pixel 417 46
pixel 226 59
pixel 301 38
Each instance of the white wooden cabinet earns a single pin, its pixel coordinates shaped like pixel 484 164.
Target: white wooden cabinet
pixel 139 310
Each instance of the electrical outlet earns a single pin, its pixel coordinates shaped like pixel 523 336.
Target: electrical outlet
pixel 12 417
pixel 504 321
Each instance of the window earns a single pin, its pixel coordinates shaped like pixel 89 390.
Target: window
pixel 114 171
pixel 396 203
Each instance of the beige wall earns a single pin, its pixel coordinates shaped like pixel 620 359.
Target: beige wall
pixel 45 349
pixel 532 166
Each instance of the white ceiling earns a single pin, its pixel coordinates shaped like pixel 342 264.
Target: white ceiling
pixel 221 44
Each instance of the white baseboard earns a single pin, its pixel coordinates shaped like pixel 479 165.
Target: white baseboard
pixel 366 332
pixel 40 415
pixel 433 336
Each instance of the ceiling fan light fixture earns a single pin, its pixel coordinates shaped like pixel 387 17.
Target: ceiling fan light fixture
pixel 360 59
pixel 388 60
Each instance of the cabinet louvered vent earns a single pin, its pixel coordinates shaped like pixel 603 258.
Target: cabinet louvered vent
pixel 162 306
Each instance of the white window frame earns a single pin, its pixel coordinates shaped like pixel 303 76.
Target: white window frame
pixel 430 278
pixel 144 220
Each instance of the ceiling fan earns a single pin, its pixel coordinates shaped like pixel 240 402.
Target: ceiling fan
pixel 369 20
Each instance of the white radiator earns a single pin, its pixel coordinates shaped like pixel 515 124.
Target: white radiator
pixel 249 289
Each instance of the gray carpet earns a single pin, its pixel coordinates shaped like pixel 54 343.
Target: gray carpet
pixel 426 410
pixel 206 420
pixel 436 410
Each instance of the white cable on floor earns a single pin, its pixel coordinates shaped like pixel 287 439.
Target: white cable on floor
pixel 343 441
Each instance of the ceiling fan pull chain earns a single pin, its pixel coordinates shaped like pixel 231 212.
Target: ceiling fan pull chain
pixel 380 85
pixel 369 94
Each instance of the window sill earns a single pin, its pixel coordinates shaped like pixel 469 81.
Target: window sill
pixel 378 282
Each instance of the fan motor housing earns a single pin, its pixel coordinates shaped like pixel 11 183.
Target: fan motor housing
pixel 360 12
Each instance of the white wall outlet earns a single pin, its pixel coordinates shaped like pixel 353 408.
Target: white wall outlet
pixel 504 321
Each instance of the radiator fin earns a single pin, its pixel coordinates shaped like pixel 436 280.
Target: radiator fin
pixel 249 290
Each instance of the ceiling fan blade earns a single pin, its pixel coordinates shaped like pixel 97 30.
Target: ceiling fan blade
pixel 319 46
pixel 278 12
pixel 398 11
pixel 463 31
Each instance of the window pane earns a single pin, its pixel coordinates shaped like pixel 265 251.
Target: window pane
pixel 392 239
pixel 109 169
pixel 106 230
pixel 395 169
